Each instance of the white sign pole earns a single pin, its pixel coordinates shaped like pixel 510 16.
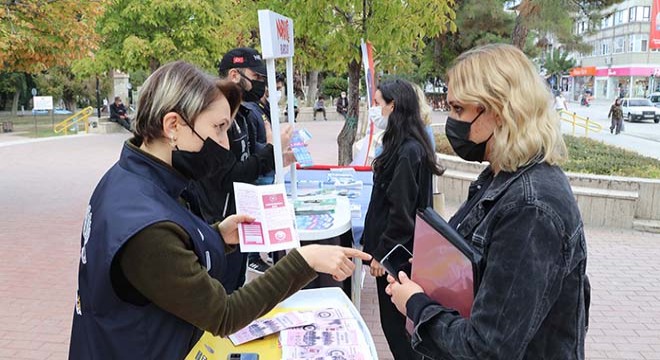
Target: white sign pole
pixel 292 114
pixel 275 121
pixel 276 33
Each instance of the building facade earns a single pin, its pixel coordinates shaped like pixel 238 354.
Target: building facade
pixel 621 63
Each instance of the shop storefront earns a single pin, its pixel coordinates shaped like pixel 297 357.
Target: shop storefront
pixel 630 81
pixel 583 81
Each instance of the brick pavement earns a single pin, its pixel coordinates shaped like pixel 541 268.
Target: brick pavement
pixel 45 186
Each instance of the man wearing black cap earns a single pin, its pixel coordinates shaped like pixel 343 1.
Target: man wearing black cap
pixel 245 67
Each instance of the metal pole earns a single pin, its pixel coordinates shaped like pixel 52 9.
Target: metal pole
pixel 98 98
pixel 292 114
pixel 277 140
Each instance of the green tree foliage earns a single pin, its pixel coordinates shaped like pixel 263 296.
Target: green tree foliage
pixel 478 22
pixel 143 34
pixel 36 35
pixel 331 39
pixel 556 17
pixel 558 62
pixel 74 91
pixel 13 85
pixel 333 86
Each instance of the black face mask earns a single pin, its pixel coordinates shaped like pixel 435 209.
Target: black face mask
pixel 197 165
pixel 257 92
pixel 458 134
pixel 209 159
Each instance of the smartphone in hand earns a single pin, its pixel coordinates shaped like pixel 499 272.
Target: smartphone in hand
pixel 398 259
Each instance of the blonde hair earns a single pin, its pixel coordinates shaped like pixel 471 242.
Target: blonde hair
pixel 501 78
pixel 175 87
pixel 424 108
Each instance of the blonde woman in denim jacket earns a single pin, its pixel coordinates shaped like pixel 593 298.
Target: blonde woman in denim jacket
pixel 532 301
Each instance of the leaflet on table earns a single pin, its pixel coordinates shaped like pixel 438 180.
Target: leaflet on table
pixel 273 227
pixel 263 327
pixel 324 353
pixel 315 204
pixel 300 151
pixel 314 221
pixel 334 334
pixel 329 325
pixel 322 338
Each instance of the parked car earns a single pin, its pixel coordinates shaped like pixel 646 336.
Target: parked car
pixel 60 111
pixel 655 99
pixel 638 109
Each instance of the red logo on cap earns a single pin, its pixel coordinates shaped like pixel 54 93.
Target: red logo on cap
pixel 238 60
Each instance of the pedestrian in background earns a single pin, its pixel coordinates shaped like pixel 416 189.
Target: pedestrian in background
pixel 616 114
pixel 319 106
pixel 119 114
pixel 342 104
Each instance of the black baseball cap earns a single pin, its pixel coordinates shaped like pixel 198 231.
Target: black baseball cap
pixel 243 58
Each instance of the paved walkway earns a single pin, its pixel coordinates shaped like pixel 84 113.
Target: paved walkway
pixel 45 186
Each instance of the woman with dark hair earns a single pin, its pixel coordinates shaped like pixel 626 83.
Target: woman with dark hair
pixel 402 183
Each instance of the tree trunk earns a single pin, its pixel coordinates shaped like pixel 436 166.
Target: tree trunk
pixel 519 34
pixel 346 136
pixel 154 64
pixel 312 86
pixel 14 103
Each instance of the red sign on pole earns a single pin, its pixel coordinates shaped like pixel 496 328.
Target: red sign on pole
pixel 654 36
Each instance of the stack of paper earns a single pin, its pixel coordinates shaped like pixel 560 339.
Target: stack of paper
pixel 315 204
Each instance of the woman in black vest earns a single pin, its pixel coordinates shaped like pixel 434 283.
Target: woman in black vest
pixel 149 269
pixel 402 184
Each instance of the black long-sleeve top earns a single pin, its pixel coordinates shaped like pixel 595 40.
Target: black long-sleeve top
pixel 397 193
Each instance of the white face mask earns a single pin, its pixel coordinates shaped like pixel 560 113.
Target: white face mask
pixel 376 115
pixel 278 95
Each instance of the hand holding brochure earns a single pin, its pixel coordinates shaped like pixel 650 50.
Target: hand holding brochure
pixel 273 227
pixel 300 151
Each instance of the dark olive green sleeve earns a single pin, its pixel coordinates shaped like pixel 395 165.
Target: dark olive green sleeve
pixel 157 262
pixel 228 248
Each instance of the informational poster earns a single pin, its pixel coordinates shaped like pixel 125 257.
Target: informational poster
pixel 654 36
pixel 43 103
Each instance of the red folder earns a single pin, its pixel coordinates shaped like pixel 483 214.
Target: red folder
pixel 444 264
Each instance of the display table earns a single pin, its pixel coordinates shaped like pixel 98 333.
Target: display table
pixel 215 348
pixel 321 174
pixel 339 233
pixel 340 225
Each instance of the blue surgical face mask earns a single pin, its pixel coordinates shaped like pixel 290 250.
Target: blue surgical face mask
pixel 458 134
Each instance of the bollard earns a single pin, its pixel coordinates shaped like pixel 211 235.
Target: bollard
pixel 586 128
pixel 574 114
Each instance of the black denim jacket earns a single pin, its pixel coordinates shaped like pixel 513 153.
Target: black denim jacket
pixel 533 299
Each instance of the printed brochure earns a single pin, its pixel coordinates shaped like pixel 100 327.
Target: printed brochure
pixel 273 227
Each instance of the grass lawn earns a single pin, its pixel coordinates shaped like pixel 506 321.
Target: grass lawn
pixel 592 157
pixel 35 126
